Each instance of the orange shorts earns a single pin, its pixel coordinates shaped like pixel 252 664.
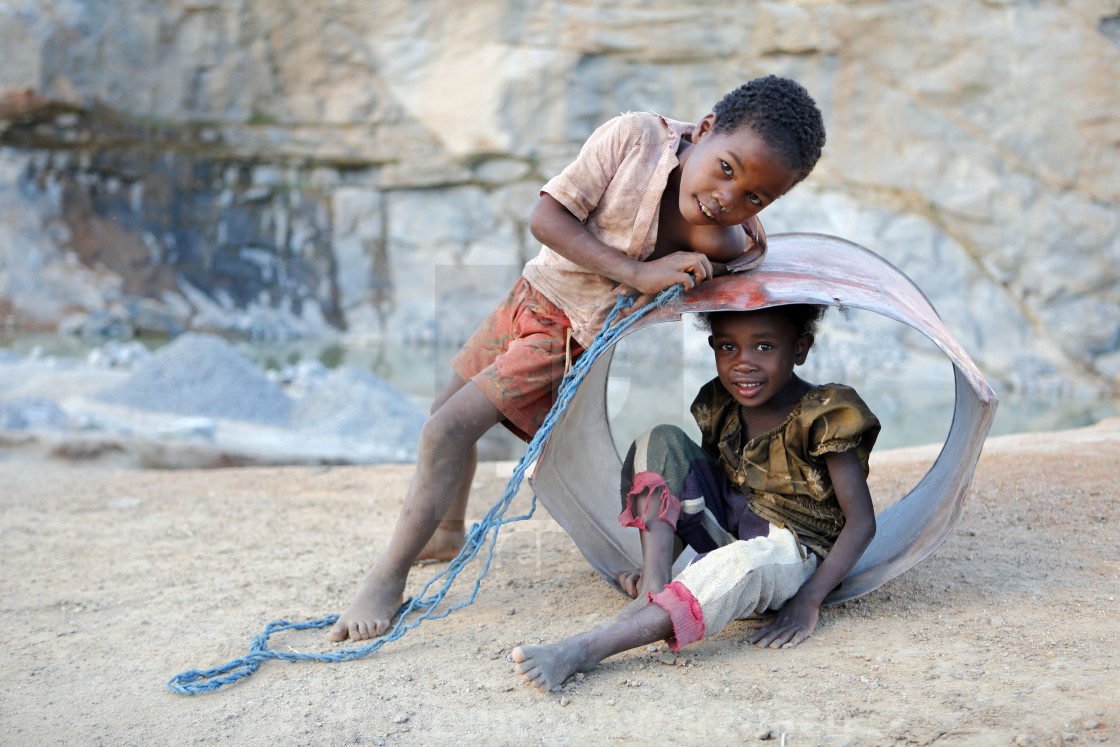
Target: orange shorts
pixel 518 356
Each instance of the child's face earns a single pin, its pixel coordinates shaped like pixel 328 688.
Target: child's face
pixel 727 178
pixel 756 352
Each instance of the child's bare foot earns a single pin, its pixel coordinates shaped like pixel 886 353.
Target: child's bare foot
pixel 446 543
pixel 630 581
pixel 635 584
pixel 368 616
pixel 546 667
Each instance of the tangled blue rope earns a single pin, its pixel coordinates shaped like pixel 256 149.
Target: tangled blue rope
pixel 420 607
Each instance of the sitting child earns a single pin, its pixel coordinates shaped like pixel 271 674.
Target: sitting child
pixel 775 502
pixel 649 203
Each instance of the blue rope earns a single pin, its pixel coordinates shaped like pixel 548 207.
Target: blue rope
pixel 420 607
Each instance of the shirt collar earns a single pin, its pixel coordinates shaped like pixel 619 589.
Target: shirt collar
pixel 677 130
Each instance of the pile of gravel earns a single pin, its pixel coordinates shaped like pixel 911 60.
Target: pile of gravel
pixel 203 375
pixel 354 404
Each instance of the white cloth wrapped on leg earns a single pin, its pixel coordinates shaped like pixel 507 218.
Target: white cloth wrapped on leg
pixel 734 581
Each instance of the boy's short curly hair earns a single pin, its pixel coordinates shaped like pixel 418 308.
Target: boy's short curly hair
pixel 805 317
pixel 783 113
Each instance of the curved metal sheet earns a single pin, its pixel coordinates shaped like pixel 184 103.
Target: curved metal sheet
pixel 577 475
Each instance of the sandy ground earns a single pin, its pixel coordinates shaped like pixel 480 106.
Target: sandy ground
pixel 113 581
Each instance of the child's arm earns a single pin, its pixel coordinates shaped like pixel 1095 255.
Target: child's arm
pixel 797 618
pixel 554 226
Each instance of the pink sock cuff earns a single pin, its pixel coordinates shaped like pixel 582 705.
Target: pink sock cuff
pixel 670 506
pixel 684 611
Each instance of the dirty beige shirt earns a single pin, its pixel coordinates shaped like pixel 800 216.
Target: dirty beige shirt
pixel 614 187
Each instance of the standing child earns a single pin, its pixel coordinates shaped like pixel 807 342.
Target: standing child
pixel 649 203
pixel 775 502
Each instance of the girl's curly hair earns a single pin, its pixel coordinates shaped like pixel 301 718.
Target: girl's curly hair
pixel 805 317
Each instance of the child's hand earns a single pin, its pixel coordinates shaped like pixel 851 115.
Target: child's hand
pixel 640 300
pixel 798 617
pixel 788 626
pixel 654 276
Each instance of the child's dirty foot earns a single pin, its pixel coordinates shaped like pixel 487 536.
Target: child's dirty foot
pixel 373 608
pixel 635 584
pixel 446 543
pixel 630 581
pixel 546 667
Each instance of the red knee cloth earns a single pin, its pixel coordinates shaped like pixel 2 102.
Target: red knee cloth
pixel 670 509
pixel 685 612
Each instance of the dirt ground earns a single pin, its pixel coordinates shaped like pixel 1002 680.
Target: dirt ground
pixel 113 581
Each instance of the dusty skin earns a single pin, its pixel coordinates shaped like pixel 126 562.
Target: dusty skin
pixel 375 595
pixel 113 581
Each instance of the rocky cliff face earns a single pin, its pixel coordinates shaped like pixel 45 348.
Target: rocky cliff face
pixel 282 168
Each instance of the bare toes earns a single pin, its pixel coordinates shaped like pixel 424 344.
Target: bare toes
pixel 629 581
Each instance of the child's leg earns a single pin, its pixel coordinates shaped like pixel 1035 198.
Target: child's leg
pixel 732 582
pixel 449 536
pixel 445 455
pixel 658 540
pixel 729 583
pixel 653 477
pixel 546 667
pixel 514 362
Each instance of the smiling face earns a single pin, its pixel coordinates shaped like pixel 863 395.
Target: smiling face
pixel 727 178
pixel 755 355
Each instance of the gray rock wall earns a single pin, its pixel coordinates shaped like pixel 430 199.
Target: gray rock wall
pixel 283 168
